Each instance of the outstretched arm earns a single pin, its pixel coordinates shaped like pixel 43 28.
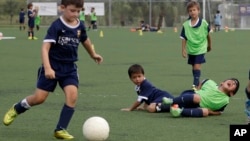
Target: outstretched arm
pixel 133 107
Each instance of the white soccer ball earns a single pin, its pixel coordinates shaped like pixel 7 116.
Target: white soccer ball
pixel 96 129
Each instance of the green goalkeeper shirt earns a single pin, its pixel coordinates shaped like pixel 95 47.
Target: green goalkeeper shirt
pixel 211 97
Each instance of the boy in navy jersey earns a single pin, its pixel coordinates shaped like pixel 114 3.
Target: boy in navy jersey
pixel 196 40
pixel 21 19
pixel 59 54
pixel 147 93
pixel 31 21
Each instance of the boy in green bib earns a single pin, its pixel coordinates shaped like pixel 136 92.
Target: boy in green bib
pixel 196 41
pixel 209 99
pixel 82 15
pixel 93 19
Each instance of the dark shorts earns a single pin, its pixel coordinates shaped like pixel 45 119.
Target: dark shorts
pixel 159 98
pixel 196 59
pixel 66 74
pixel 31 24
pixel 189 105
pixel 21 20
pixel 93 22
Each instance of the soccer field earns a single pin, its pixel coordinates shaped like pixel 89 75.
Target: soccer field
pixel 105 89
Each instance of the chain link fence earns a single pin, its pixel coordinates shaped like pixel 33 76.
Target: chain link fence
pixel 128 13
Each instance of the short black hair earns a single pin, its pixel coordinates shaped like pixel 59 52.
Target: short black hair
pixel 237 82
pixel 77 3
pixel 135 68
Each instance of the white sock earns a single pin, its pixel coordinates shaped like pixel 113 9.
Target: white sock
pixel 25 104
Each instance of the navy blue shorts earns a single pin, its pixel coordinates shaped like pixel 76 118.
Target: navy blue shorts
pixel 21 20
pixel 196 59
pixel 31 24
pixel 163 94
pixel 93 22
pixel 189 105
pixel 66 74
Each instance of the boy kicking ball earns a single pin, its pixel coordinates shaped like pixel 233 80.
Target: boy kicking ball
pixel 58 67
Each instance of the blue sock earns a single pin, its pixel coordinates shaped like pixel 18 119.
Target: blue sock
pixel 19 108
pixel 163 108
pixel 184 100
pixel 32 34
pixel 196 75
pixel 192 112
pixel 28 33
pixel 65 117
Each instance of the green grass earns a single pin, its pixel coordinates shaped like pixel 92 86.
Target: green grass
pixel 105 89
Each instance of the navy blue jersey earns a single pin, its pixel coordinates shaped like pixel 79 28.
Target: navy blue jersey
pixel 30 16
pixel 21 15
pixel 150 94
pixel 65 40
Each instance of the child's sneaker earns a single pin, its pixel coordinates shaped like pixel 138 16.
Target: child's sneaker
pixel 194 88
pixel 175 111
pixel 63 134
pixel 166 100
pixel 10 116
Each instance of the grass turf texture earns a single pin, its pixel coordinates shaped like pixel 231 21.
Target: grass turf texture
pixel 105 89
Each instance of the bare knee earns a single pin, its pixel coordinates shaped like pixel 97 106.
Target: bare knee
pixel 205 112
pixel 197 98
pixel 37 98
pixel 151 108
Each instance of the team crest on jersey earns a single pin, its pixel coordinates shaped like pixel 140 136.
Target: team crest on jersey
pixel 78 33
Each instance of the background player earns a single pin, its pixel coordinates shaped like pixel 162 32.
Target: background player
pixel 21 19
pixel 31 21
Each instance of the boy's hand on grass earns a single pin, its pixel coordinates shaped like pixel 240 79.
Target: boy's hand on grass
pixel 140 109
pixel 126 109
